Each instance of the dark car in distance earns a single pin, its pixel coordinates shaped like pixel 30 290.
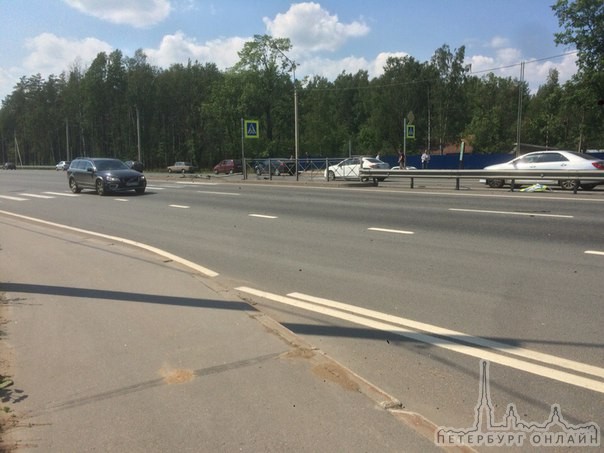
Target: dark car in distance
pixel 104 175
pixel 277 167
pixel 9 166
pixel 228 166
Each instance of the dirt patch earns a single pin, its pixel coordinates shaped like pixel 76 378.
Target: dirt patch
pixel 176 375
pixel 298 353
pixel 337 374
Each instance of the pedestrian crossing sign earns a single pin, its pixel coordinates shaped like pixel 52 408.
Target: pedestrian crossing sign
pixel 251 129
pixel 410 131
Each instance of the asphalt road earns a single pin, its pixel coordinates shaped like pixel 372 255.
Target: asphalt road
pixel 450 277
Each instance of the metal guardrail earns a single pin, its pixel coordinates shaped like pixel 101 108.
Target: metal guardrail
pixel 573 175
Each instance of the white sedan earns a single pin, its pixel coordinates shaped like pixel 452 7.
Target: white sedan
pixel 63 165
pixel 350 168
pixel 549 160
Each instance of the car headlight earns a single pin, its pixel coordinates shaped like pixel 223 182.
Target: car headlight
pixel 142 178
pixel 112 179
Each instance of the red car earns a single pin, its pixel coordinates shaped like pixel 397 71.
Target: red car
pixel 228 166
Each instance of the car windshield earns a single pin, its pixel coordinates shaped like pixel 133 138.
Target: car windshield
pixel 110 164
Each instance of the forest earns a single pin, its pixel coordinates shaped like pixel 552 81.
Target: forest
pixel 121 106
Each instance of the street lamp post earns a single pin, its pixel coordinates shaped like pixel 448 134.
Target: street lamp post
pixel 293 64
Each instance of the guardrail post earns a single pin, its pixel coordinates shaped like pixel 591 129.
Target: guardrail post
pixel 512 184
pixel 575 186
pixel 456 183
pixel 412 182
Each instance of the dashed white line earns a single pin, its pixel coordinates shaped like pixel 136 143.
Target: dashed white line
pixel 179 206
pixel 8 197
pixel 35 195
pixel 262 216
pixel 218 193
pixel 63 194
pixel 529 214
pixel 594 252
pixel 386 230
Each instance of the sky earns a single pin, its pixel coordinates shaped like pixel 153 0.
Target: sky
pixel 328 36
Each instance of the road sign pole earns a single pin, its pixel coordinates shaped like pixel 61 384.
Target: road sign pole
pixel 243 149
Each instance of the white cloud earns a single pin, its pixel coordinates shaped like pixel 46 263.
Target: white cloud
pixel 312 29
pixel 498 42
pixel 506 63
pixel 50 54
pixel 330 68
pixel 137 13
pixel 178 48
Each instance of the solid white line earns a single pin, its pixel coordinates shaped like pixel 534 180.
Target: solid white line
pixel 34 195
pixel 436 330
pixel 179 206
pixel 262 216
pixel 386 230
pixel 594 252
pixel 63 194
pixel 121 199
pixel 513 213
pixel 219 193
pixel 155 187
pixel 472 351
pixel 202 270
pixel 8 197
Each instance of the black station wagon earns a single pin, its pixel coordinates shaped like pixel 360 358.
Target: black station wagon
pixel 104 175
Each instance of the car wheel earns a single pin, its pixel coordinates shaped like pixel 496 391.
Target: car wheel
pixel 277 172
pixel 183 171
pixel 74 186
pixel 331 176
pixel 230 172
pixel 568 184
pixel 100 187
pixel 495 183
pixel 140 191
pixel 169 170
pixel 215 172
pixel 588 186
pixel 258 171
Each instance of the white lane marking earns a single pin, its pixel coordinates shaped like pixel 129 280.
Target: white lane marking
pixel 219 193
pixel 63 194
pixel 8 197
pixel 594 252
pixel 34 195
pixel 436 330
pixel 177 259
pixel 179 206
pixel 155 187
pixel 262 216
pixel 198 183
pixel 473 351
pixel 386 230
pixel 121 199
pixel 530 214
